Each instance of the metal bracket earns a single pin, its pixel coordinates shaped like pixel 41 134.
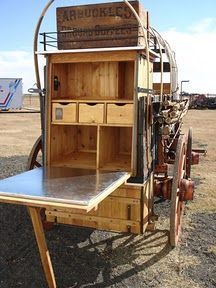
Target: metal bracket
pixel 36 91
pixel 145 90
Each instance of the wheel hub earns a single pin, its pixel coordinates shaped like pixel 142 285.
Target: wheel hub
pixel 186 189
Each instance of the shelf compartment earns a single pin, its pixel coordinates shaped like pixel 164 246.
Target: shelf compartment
pixel 77 160
pixel 115 148
pixel 91 113
pixel 107 80
pixel 120 113
pixel 64 112
pixel 73 146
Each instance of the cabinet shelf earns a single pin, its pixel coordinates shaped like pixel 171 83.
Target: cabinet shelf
pixel 108 80
pixel 96 100
pixel 77 160
pixel 119 163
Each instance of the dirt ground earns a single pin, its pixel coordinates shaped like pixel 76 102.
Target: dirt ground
pixel 89 258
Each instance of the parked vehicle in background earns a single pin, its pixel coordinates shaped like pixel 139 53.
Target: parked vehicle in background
pixel 11 93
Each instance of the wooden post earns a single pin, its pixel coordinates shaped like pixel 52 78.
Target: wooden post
pixel 41 241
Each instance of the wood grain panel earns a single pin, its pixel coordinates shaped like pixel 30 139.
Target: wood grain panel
pixel 100 25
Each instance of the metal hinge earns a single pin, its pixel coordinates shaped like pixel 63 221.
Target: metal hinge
pixel 145 90
pixel 37 91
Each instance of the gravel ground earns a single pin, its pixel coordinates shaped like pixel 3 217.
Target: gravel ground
pixel 90 258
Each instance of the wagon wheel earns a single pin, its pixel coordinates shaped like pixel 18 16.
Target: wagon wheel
pixel 177 204
pixel 33 162
pixel 189 153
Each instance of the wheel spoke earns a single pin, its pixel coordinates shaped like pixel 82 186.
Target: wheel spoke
pixel 37 164
pixel 32 160
pixel 176 210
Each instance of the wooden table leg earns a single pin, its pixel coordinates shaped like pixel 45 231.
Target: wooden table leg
pixel 41 242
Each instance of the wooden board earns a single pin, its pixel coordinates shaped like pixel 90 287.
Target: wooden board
pixel 120 113
pixel 91 113
pixel 64 112
pixel 100 25
pixel 166 88
pixel 116 213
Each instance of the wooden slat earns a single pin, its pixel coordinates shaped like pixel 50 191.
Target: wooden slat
pixel 91 218
pixel 166 88
pixel 128 192
pixel 119 114
pixel 93 57
pixel 113 225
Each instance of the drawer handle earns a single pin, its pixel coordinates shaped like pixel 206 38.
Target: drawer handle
pixel 120 104
pixel 64 103
pixel 91 104
pixel 58 113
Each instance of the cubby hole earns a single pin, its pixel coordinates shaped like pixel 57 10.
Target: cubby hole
pixel 115 148
pixel 109 80
pixel 73 146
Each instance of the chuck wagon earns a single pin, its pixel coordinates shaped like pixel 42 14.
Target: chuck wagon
pixel 111 136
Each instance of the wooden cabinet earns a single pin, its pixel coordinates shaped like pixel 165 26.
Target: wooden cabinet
pixel 92 110
pixel 91 120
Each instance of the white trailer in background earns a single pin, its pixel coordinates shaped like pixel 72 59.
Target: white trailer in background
pixel 11 93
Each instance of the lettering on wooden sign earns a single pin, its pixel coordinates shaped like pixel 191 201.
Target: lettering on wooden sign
pixel 99 25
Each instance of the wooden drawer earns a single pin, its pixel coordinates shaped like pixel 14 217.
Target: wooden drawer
pixel 64 113
pixel 120 113
pixel 91 113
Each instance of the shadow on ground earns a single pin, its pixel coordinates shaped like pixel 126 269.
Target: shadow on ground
pixel 81 257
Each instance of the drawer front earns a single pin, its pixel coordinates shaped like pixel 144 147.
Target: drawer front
pixel 64 112
pixel 91 113
pixel 120 113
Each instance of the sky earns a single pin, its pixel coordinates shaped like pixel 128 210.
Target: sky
pixel 189 27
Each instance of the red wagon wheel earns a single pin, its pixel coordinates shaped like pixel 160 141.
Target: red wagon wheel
pixel 177 203
pixel 189 153
pixel 33 161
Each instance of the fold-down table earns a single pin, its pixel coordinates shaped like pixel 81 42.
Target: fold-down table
pixel 58 187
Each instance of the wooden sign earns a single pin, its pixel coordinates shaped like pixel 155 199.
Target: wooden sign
pixel 100 25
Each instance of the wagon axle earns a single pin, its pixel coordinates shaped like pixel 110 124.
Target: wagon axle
pixel 163 189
